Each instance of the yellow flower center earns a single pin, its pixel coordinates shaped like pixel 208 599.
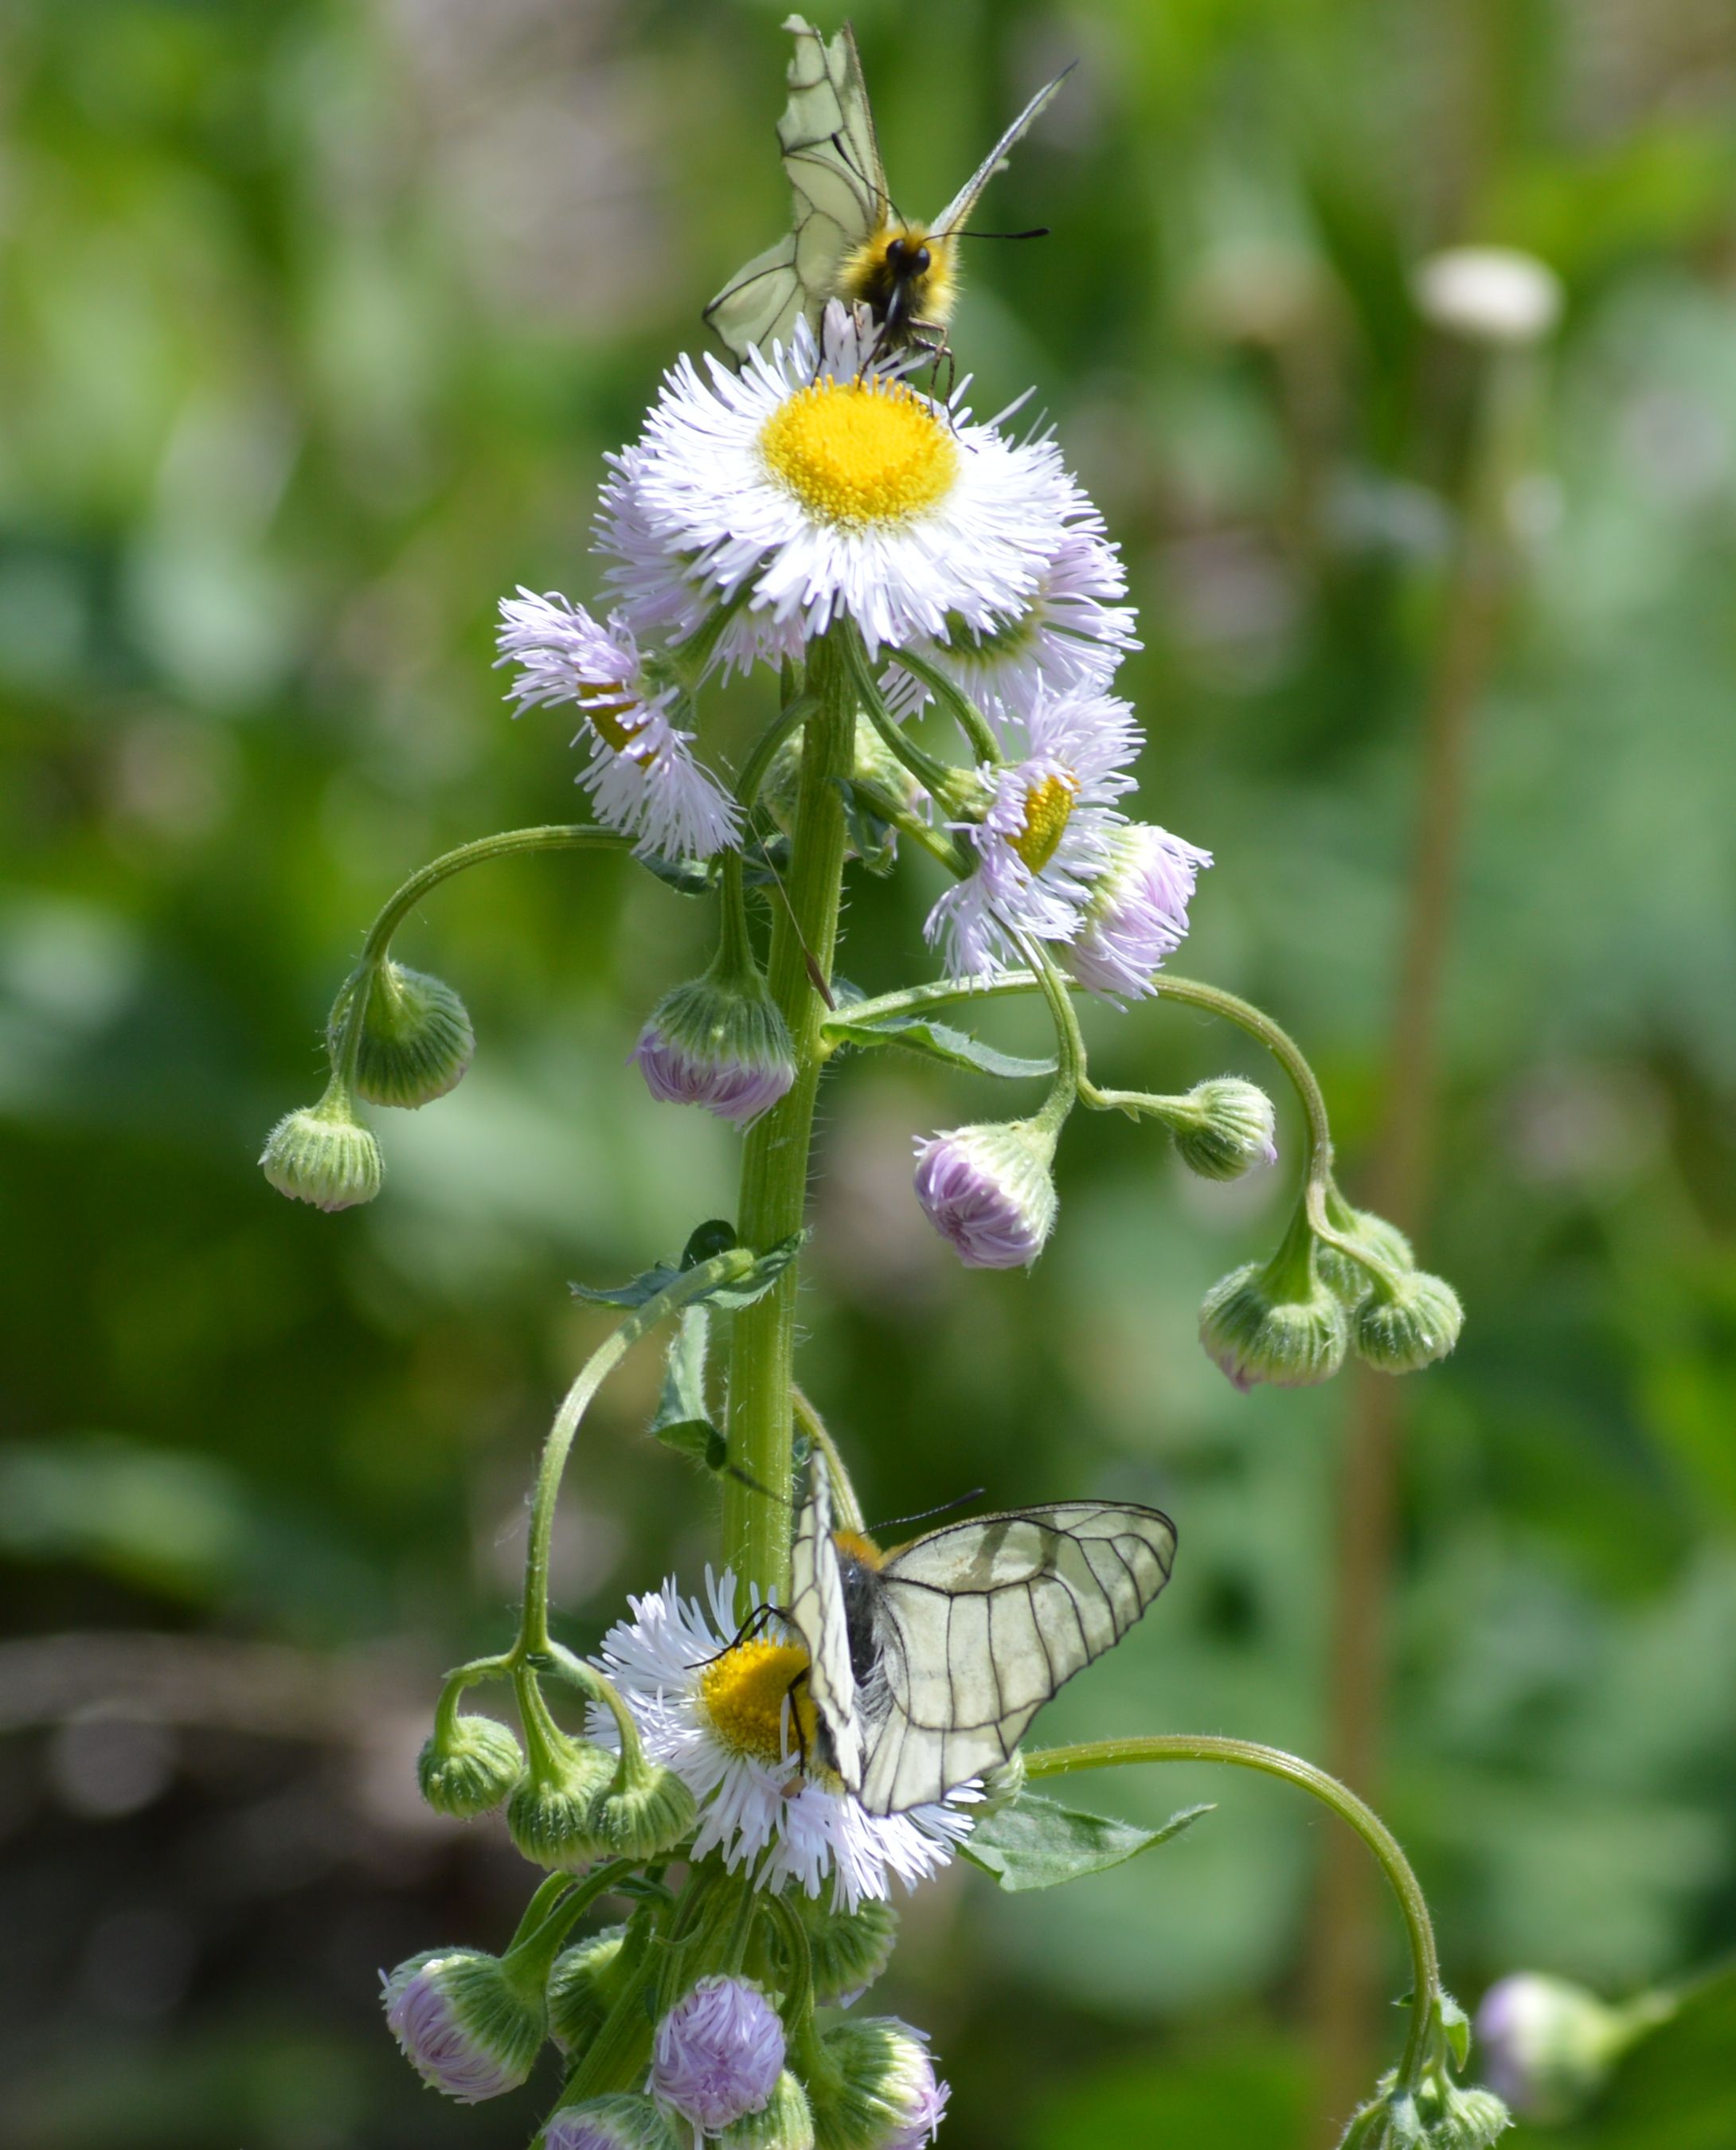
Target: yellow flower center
pixel 744 1692
pixel 860 452
pixel 1048 807
pixel 600 714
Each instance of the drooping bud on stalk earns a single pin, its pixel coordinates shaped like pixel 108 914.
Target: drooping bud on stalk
pixel 1385 1242
pixel 878 2091
pixel 847 1950
pixel 718 2053
pixel 1547 2045
pixel 468 1767
pixel 465 2026
pixel 621 2122
pixel 416 1039
pixel 581 1989
pixel 1410 1326
pixel 1229 1129
pixel 549 1816
pixel 323 1154
pixel 987 1189
pixel 645 1812
pixel 1275 1321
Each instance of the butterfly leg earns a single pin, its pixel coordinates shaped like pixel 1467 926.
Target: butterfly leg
pixel 757 1621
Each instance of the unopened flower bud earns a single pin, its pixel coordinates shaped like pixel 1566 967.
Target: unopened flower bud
pixel 465 2026
pixel 644 1814
pixel 1386 1243
pixel 1275 1322
pixel 1490 294
pixel 1000 1785
pixel 581 1989
pixel 847 1950
pixel 466 1771
pixel 549 1814
pixel 1465 2120
pixel 1411 1326
pixel 323 1154
pixel 879 2092
pixel 719 1041
pixel 416 1039
pixel 1547 2045
pixel 1228 1130
pixel 718 2053
pixel 620 2122
pixel 874 764
pixel 786 2122
pixel 987 1189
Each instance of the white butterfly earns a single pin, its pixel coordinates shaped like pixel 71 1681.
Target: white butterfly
pixel 848 242
pixel 927 1664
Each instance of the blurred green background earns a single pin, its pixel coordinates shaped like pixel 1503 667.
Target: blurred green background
pixel 315 320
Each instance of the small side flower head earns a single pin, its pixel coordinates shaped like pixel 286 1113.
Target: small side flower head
pixel 466 2028
pixel 549 1814
pixel 1275 1322
pixel 1385 1242
pixel 847 1950
pixel 465 1771
pixel 786 2122
pixel 874 764
pixel 644 1812
pixel 718 2053
pixel 1228 1130
pixel 1411 1326
pixel 719 1041
pixel 1547 2045
pixel 323 1154
pixel 416 1039
pixel 620 2122
pixel 987 1189
pixel 581 1989
pixel 1137 913
pixel 880 2092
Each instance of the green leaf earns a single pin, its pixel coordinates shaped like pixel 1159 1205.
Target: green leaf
pixel 646 1285
pixel 767 1269
pixel 935 1040
pixel 1037 1843
pixel 717 1235
pixel 682 1420
pixel 715 1238
pixel 686 876
pixel 1455 2027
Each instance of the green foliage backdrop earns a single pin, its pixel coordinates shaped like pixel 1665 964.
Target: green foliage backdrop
pixel 315 320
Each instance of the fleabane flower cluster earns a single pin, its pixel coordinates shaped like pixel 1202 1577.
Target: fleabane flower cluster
pixel 731 1718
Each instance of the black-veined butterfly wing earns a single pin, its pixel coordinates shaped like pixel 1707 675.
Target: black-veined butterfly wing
pixel 817 1613
pixel 958 212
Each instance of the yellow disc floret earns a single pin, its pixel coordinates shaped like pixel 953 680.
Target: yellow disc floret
pixel 1048 804
pixel 601 717
pixel 858 452
pixel 746 1692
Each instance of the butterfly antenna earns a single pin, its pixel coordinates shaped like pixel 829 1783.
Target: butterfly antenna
pixel 1037 232
pixel 923 1515
pixel 745 1478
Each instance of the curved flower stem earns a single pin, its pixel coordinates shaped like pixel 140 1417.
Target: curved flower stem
pixel 757 1510
pixel 1273 1762
pixel 964 712
pixel 692 1283
pixel 1070 1080
pixel 795 713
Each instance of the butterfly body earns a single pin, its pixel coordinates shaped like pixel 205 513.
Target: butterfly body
pixel 847 240
pixel 927 1664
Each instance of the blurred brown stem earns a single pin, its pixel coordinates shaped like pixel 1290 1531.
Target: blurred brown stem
pixel 1344 1958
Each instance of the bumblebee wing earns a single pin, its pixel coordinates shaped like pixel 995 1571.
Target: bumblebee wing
pixel 762 302
pixel 957 213
pixel 980 1623
pixel 816 1612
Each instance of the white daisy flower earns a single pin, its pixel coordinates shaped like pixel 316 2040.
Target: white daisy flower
pixel 822 484
pixel 1046 834
pixel 642 775
pixel 1074 634
pixel 722 1714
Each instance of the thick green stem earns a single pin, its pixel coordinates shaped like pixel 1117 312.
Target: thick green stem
pixel 757 1511
pixel 1273 1762
pixel 692 1283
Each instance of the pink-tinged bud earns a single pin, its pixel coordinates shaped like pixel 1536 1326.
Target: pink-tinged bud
pixel 465 2026
pixel 1547 2045
pixel 1137 912
pixel 987 1189
pixel 619 2123
pixel 720 1044
pixel 880 2092
pixel 718 2053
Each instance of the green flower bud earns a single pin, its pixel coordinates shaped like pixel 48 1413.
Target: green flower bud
pixel 875 764
pixel 1001 1786
pixel 619 2122
pixel 323 1154
pixel 1386 1242
pixel 1465 2120
pixel 847 1950
pixel 1275 1322
pixel 720 1042
pixel 1410 1327
pixel 1229 1129
pixel 644 1814
pixel 416 1039
pixel 784 2122
pixel 470 1768
pixel 549 1814
pixel 581 1989
pixel 466 2026
pixel 874 2086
